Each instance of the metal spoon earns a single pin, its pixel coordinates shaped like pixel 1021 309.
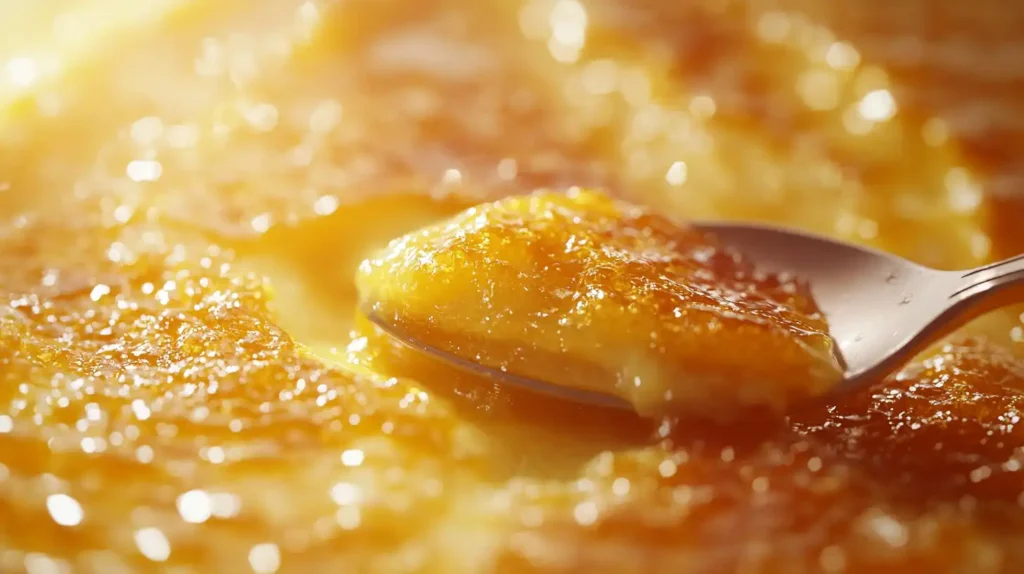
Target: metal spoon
pixel 881 309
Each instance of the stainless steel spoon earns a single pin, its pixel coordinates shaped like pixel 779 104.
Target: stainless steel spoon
pixel 881 309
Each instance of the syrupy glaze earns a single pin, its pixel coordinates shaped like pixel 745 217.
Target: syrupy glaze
pixel 585 292
pixel 180 391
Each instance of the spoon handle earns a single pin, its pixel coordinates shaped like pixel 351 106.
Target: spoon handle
pixel 991 286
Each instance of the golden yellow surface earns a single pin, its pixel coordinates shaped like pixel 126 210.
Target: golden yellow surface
pixel 582 291
pixel 183 387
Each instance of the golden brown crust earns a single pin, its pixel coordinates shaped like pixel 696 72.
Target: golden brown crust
pixel 892 480
pixel 125 386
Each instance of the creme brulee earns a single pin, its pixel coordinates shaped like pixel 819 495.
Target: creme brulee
pixel 184 388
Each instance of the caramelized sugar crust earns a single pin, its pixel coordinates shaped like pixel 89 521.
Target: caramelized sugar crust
pixel 155 413
pixel 247 452
pixel 241 445
pixel 155 409
pixel 583 291
pixel 921 473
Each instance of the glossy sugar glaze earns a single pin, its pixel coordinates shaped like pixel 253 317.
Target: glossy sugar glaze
pixel 183 220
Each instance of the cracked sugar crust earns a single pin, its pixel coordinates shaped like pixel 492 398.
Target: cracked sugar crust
pixel 893 482
pixel 583 291
pixel 152 410
pixel 920 473
pixel 185 426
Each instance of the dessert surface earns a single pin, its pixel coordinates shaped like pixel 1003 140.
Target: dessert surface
pixel 185 386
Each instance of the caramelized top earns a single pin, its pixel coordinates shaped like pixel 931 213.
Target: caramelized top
pixel 921 473
pixel 909 477
pixel 165 380
pixel 180 222
pixel 580 290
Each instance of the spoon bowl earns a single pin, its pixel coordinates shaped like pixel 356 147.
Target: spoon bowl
pixel 881 309
pixel 502 377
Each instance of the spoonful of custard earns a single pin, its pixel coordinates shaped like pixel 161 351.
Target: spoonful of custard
pixel 595 300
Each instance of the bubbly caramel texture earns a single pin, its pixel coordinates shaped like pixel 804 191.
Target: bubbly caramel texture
pixel 583 291
pixel 184 386
pixel 921 473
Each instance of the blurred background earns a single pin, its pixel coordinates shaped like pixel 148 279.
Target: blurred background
pixel 892 123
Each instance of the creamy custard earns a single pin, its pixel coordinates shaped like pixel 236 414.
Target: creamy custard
pixel 582 291
pixel 180 390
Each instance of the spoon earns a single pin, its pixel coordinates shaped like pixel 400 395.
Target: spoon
pixel 881 309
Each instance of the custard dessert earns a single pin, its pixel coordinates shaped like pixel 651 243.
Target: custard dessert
pixel 583 291
pixel 186 388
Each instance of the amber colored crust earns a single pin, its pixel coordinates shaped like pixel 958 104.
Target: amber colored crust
pixel 915 475
pixel 194 417
pixel 580 290
pixel 179 379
